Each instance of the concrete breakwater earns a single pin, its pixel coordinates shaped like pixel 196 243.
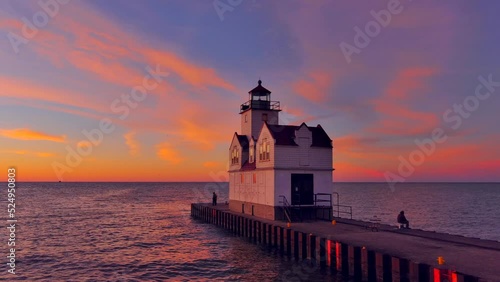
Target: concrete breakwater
pixel 365 255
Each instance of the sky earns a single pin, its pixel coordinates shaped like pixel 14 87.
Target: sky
pixel 150 90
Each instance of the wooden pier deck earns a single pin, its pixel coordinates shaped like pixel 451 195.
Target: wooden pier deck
pixel 389 254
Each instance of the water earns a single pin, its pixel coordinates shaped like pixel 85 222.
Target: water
pixel 133 232
pixel 468 209
pixel 143 231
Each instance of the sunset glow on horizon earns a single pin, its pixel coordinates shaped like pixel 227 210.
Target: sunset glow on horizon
pixel 151 90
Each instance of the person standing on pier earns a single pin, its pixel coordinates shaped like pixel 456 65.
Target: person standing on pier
pixel 402 220
pixel 214 199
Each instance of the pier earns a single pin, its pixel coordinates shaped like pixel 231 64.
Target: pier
pixel 348 247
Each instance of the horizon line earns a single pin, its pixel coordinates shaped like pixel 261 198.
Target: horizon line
pixel 409 182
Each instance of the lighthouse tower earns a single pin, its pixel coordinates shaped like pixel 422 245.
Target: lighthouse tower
pixel 257 110
pixel 278 171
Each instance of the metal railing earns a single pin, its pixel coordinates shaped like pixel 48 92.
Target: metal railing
pixel 325 198
pixel 260 105
pixel 320 200
pixel 340 209
pixel 286 207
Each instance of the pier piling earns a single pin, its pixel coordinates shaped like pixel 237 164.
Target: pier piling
pixel 359 262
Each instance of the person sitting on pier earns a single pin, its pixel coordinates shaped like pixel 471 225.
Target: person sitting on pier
pixel 402 221
pixel 214 199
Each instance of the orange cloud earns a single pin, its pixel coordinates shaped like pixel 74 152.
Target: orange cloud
pixel 397 118
pixel 101 52
pixel 132 144
pixel 105 69
pixel 32 153
pixel 167 152
pixel 12 24
pixel 188 71
pixel 28 134
pixel 408 81
pixel 401 121
pixel 27 90
pixel 44 154
pixel 315 87
pixel 346 143
pixel 355 150
pixel 198 127
pixel 460 171
pixel 345 171
pixel 449 153
pixel 84 144
pixel 101 48
pixel 197 134
pixel 353 143
pixel 211 164
pixel 436 17
pixel 491 165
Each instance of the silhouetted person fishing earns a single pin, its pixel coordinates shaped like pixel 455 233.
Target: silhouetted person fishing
pixel 214 199
pixel 402 220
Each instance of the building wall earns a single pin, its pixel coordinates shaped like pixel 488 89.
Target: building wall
pixel 246 123
pixel 262 211
pixel 262 187
pixel 288 157
pixel 235 166
pixel 252 186
pixel 275 174
pixel 251 121
pixel 303 155
pixel 283 180
pixel 265 134
pixel 269 185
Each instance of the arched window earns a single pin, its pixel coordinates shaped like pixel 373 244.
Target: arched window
pixel 264 150
pixel 251 154
pixel 235 154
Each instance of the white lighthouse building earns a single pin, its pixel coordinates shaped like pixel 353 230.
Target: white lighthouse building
pixel 278 171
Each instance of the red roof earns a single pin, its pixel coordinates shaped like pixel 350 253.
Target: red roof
pixel 320 137
pixel 248 166
pixel 283 134
pixel 243 140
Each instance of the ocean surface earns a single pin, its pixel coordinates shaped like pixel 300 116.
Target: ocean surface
pixel 468 209
pixel 144 232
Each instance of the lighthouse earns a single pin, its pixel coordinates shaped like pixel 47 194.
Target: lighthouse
pixel 278 172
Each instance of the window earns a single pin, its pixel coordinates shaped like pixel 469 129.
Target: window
pixel 235 154
pixel 242 178
pixel 267 151
pixel 264 150
pixel 246 117
pixel 264 117
pixel 254 178
pixel 260 151
pixel 251 154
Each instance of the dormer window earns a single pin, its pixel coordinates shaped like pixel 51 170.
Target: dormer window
pixel 252 154
pixel 235 155
pixel 264 150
